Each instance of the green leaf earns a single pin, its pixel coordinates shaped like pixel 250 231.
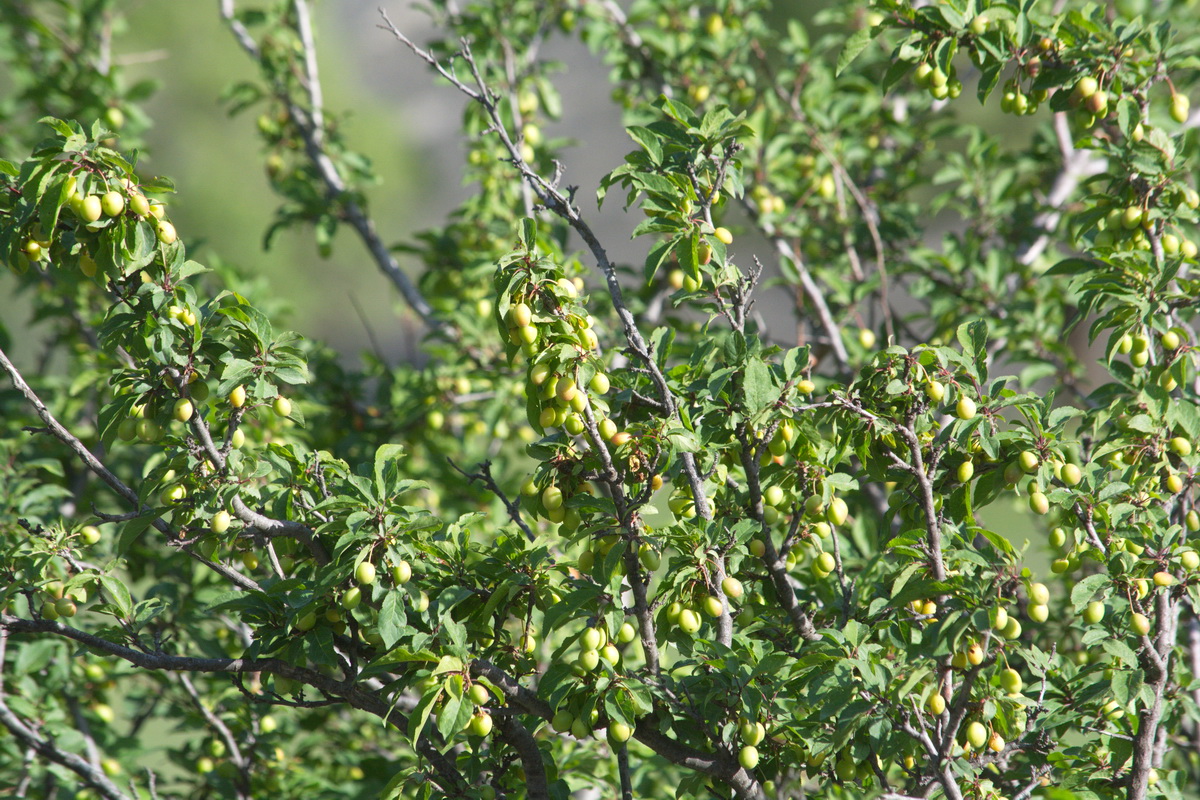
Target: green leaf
pixel 857 42
pixel 759 388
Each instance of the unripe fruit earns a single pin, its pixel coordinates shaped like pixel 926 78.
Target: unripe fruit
pixel 965 409
pixel 712 606
pixel 588 660
pixel 352 598
pixel 1071 474
pixel 112 203
pixel 282 406
pixel 1162 578
pixel 689 621
pixel 976 735
pixel 1094 612
pixel 89 534
pixel 364 573
pixel 757 548
pixel 183 410
pixel 220 521
pixel 619 732
pixel 1140 624
pixel 1038 593
pixel 935 391
pixel 238 439
pixel 748 757
pixel 1189 560
pixel 627 633
pixel 1180 105
pixel 520 315
pixel 1180 446
pixel 825 563
pixel 607 428
pixel 65 607
pixel 774 496
pixel 401 573
pixel 481 724
pixel 996 742
pixel 173 494
pixel 975 655
pixel 552 497
pixel 562 720
pixel 936 704
pixel 999 618
pixel 250 561
pixel 478 694
pixel 148 431
pixel 307 621
pixel 1038 503
pixel 752 732
pixel 837 512
pixel 237 397
pixel 1013 629
pixel 1010 681
pixel 732 588
pixel 966 470
pixel 591 639
pixel 90 208
pixel 599 384
pixel 1028 460
pixel 724 236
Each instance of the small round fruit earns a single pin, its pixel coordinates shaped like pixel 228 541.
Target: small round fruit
pixel 837 512
pixel 976 734
pixel 1180 105
pixel 173 494
pixel 307 621
pixel 627 633
pixel 825 563
pixel 712 606
pixel 112 203
pixel 975 655
pixel 89 534
pixel 220 521
pixel 562 720
pixel 401 573
pixel 1039 594
pixel 479 694
pixel 481 724
pixel 65 607
pixel 237 397
pixel 965 408
pixel 364 573
pixel 866 338
pixel 689 621
pixel 1013 629
pixel 588 660
pixel 520 315
pixel 1140 624
pixel 1094 612
pixel 1180 446
pixel 936 704
pixel 619 732
pixel 1028 460
pixel 1162 578
pixel 552 497
pixel 732 588
pixel 1039 503
pixel 250 561
pixel 748 757
pixel 352 598
pixel 724 236
pixel 183 409
pixel 282 406
pixel 1071 474
pixel 752 732
pixel 995 742
pixel 1010 681
pixel 90 208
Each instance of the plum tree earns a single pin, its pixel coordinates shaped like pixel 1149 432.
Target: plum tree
pixel 815 491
